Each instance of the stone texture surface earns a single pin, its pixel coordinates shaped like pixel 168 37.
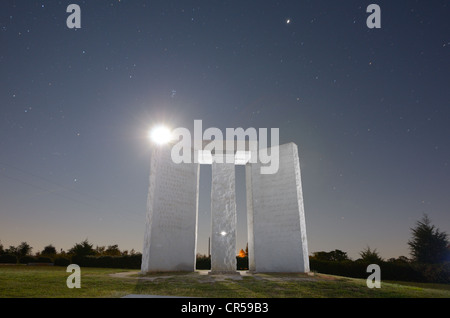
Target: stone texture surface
pixel 223 218
pixel 172 211
pixel 277 239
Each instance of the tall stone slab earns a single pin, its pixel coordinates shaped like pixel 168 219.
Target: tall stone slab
pixel 172 212
pixel 223 218
pixel 277 239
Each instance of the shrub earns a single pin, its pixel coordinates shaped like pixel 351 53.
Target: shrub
pixel 242 263
pixel 27 259
pixel 414 272
pixel 400 271
pixel 43 259
pixel 434 273
pixel 203 262
pixel 61 261
pixel 126 261
pixel 8 259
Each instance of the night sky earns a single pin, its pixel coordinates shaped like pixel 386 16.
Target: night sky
pixel 368 108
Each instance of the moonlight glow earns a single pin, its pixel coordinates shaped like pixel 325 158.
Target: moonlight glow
pixel 160 135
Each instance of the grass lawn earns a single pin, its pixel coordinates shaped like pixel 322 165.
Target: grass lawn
pixel 50 281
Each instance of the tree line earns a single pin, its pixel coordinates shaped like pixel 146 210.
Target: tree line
pixel 22 253
pixel 428 245
pixel 429 261
pixel 429 258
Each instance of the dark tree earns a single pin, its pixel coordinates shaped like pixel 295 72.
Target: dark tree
pixel 428 244
pixel 113 250
pixel 11 250
pixel 322 256
pixel 339 256
pixel 82 249
pixel 335 256
pixel 49 250
pixel 100 250
pixel 23 249
pixel 370 256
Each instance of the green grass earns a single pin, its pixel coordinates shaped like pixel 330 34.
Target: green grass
pixel 35 281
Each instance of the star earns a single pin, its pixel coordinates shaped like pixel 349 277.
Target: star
pixel 288 21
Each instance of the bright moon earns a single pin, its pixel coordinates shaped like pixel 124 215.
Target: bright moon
pixel 160 135
pixel 288 21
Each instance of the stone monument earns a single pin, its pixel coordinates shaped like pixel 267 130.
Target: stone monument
pixel 277 239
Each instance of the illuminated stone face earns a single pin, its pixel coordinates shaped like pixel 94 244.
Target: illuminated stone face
pixel 170 232
pixel 223 218
pixel 277 239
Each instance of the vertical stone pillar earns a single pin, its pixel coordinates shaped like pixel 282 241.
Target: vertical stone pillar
pixel 275 214
pixel 250 236
pixel 223 218
pixel 172 212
